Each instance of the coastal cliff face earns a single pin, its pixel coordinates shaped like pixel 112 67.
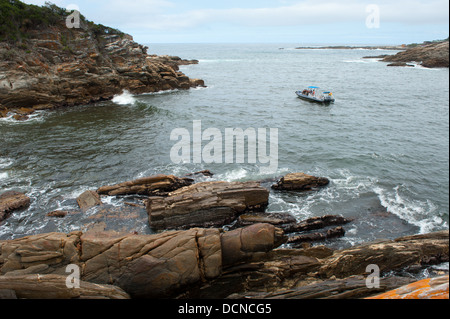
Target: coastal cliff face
pixel 53 65
pixel 434 55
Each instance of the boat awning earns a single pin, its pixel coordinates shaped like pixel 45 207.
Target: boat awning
pixel 313 87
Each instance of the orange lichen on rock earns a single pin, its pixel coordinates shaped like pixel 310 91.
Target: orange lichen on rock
pixel 431 288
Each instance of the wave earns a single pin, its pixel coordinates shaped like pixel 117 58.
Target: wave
pixel 126 98
pixel 422 214
pixel 37 116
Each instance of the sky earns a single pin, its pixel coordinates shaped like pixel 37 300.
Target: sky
pixel 303 22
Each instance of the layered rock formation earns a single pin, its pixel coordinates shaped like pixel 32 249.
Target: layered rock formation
pixel 205 263
pixel 153 185
pixel 206 204
pixel 151 266
pixel 59 66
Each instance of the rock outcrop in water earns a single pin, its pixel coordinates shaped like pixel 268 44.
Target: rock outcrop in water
pixel 432 55
pixel 45 64
pixel 11 201
pixel 154 185
pixel 300 182
pixel 206 204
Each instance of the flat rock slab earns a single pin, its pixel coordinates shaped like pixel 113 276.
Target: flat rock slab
pixel 11 201
pixel 207 204
pixel 153 185
pixel 300 182
pixel 54 287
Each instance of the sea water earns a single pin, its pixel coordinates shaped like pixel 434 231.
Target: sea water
pixel 384 143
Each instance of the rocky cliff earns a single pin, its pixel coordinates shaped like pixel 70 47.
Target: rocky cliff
pixel 44 64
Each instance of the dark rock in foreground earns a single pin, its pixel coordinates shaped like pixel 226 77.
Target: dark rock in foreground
pixel 203 263
pixel 11 201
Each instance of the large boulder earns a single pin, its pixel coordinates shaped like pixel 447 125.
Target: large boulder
pixel 300 182
pixel 207 204
pixel 11 201
pixel 153 185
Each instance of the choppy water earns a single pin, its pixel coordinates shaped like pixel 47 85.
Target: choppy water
pixel 384 143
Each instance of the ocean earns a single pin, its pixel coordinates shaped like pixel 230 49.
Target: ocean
pixel 384 143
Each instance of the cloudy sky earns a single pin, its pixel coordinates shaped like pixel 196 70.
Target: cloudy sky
pixel 276 21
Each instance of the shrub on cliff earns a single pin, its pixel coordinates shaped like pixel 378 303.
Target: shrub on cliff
pixel 16 18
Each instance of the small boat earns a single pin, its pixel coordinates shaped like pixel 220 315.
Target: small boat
pixel 313 94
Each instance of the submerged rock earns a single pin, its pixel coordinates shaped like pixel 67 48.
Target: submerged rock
pixel 207 204
pixel 88 200
pixel 11 201
pixel 300 182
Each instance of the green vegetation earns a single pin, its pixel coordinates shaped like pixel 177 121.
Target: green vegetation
pixel 413 45
pixel 17 17
pixel 100 29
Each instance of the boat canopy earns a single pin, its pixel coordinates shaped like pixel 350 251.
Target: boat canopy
pixel 313 87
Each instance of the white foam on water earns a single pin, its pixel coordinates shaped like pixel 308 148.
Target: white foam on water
pixel 161 92
pixel 126 98
pixel 371 60
pixel 233 175
pixel 419 213
pixel 37 116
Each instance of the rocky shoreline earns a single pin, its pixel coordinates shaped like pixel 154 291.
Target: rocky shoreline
pixel 429 55
pixel 213 240
pixel 55 66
